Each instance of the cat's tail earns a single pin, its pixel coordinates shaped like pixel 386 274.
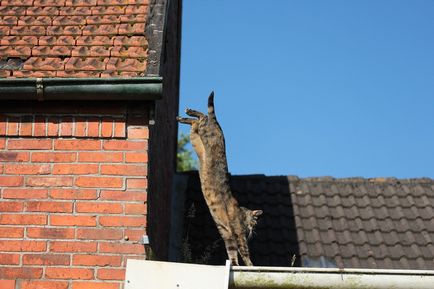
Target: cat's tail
pixel 211 111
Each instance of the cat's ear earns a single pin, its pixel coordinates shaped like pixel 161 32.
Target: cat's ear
pixel 257 213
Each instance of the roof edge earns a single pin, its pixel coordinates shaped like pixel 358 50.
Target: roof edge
pixel 137 88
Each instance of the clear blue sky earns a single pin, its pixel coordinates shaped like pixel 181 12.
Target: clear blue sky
pixel 315 88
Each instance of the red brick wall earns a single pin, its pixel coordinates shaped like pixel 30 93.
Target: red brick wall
pixel 73 181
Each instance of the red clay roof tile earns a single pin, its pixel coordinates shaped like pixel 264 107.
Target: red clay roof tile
pixel 45 3
pixel 18 51
pixel 105 19
pixel 34 20
pixel 17 2
pixel 27 73
pixel 95 51
pixel 94 40
pixel 19 40
pixel 76 73
pixel 87 63
pixel 51 51
pixel 5 73
pixel 4 30
pixel 73 38
pixel 28 30
pixel 79 3
pixel 9 20
pixel 41 63
pixel 14 11
pixel 69 20
pixel 126 64
pixel 128 52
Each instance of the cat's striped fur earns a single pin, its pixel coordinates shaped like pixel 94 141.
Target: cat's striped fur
pixel 234 223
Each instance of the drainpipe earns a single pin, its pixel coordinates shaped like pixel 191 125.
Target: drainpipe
pixel 137 88
pixel 326 278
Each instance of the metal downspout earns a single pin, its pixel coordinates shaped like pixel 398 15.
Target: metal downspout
pixel 137 88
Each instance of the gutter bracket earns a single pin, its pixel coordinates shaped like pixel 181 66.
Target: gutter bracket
pixel 39 89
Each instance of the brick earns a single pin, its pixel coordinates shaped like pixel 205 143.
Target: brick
pixel 22 246
pixel 49 181
pixel 119 129
pixel 61 144
pixel 99 234
pixel 12 128
pixel 111 274
pixel 80 127
pixel 11 232
pixel 131 157
pixel 20 273
pixel 121 248
pixel 53 126
pixel 96 260
pixel 49 157
pixel 95 285
pixel 125 145
pixel 135 209
pixel 106 128
pixel 30 144
pixel 11 207
pixel 66 126
pixel 138 132
pixel 9 181
pixel 40 127
pixel 3 124
pixel 18 219
pixel 56 246
pixel 51 233
pixel 129 170
pixel 99 182
pixel 75 169
pixel 2 143
pixel 95 207
pixel 25 169
pixel 85 221
pixel 7 284
pixel 9 259
pixel 137 183
pixel 112 221
pixel 46 259
pixel 93 127
pixel 36 284
pixel 72 194
pixel 25 193
pixel 123 196
pixel 100 157
pixel 68 273
pixel 134 235
pixel 26 128
pixel 54 207
pixel 14 156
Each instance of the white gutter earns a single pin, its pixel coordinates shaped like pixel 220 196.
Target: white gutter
pixel 143 274
pixel 327 278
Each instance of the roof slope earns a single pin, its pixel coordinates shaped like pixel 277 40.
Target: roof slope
pixel 73 38
pixel 327 222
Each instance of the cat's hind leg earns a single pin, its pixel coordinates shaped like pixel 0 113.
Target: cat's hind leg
pixel 244 251
pixel 230 243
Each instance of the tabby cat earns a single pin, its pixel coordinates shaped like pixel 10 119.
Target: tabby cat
pixel 234 223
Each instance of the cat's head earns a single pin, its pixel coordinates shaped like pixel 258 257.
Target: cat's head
pixel 250 220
